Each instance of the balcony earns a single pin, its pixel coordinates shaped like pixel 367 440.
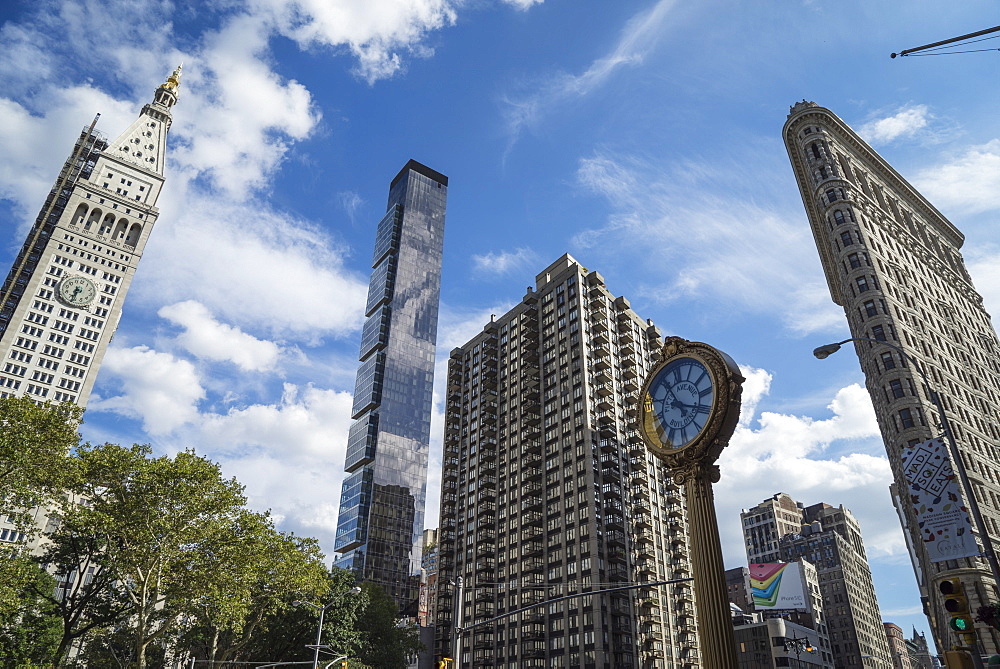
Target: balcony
pixel 615 538
pixel 529 518
pixel 533 632
pixel 532 567
pixel 532 548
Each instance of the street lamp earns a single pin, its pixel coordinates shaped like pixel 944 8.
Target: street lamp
pixel 827 350
pixel 794 644
pixel 319 629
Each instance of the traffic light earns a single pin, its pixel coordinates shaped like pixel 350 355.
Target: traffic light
pixel 957 659
pixel 957 606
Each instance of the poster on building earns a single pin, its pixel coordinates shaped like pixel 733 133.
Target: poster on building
pixel 778 585
pixel 934 491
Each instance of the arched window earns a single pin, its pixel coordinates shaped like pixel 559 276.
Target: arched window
pixel 120 229
pixel 133 234
pixel 81 213
pixel 838 216
pixel 93 219
pixel 107 224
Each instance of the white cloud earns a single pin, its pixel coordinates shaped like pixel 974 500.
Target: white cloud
pixel 376 31
pixel 837 460
pixel 639 36
pixel 969 183
pixel 157 388
pixel 289 454
pixel 906 122
pixel 700 241
pixel 504 262
pixel 259 269
pixel 209 339
pixel 523 4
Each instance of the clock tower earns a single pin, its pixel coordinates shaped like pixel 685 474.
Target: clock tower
pixel 62 299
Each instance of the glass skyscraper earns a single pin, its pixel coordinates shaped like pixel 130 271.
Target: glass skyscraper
pixel 382 502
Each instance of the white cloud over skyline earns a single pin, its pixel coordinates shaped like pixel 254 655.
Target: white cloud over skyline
pixel 906 122
pixel 707 241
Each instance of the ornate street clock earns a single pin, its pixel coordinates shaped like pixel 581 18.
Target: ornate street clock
pixel 689 407
pixel 690 403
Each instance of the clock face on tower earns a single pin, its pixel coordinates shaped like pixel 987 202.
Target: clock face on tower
pixel 77 291
pixel 678 402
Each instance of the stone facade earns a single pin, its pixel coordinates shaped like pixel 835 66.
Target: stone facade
pixel 62 299
pixel 893 262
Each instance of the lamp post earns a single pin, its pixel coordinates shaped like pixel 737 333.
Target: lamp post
pixel 794 644
pixel 319 629
pixel 827 350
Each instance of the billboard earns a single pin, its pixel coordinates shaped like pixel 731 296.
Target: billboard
pixel 778 585
pixel 937 501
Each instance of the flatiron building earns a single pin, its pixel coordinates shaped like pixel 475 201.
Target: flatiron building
pixel 894 263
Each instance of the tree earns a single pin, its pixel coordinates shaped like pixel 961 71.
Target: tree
pixel 286 632
pixel 31 633
pixel 35 442
pixel 250 572
pixel 152 516
pixel 385 643
pixel 89 595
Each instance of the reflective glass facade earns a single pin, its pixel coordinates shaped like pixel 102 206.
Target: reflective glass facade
pixel 382 502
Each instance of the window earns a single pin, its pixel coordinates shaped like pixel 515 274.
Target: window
pixel 815 150
pixel 888 362
pixel 870 309
pixel 838 217
pixel 878 332
pixel 906 418
pixel 854 260
pixel 846 239
pixel 896 388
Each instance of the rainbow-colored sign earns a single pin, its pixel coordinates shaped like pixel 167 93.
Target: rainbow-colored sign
pixel 777 585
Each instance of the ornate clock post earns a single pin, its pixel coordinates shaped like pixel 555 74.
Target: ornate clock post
pixel 690 407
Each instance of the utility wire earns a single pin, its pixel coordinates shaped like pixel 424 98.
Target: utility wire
pixel 949 53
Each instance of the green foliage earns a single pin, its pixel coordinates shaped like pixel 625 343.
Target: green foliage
pixel 165 554
pixel 32 633
pixel 288 629
pixel 384 643
pixel 35 442
pixel 153 516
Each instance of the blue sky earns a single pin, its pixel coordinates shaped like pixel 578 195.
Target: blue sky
pixel 642 137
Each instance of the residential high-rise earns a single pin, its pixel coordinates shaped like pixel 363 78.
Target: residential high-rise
pixel 382 502
pixel 62 299
pixel 766 523
pixel 548 490
pixel 893 262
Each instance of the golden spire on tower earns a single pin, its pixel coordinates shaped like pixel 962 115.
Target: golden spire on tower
pixel 173 82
